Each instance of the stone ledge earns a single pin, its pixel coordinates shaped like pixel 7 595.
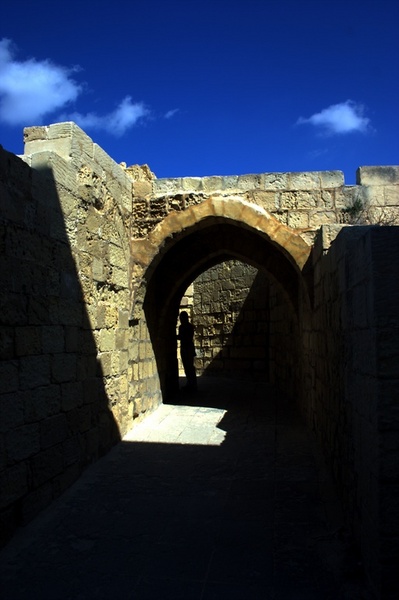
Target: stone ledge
pixel 242 183
pixel 386 175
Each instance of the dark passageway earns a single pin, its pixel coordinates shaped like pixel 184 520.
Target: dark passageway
pixel 219 496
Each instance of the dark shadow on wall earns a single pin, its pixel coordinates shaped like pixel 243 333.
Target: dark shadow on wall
pixel 238 345
pixel 256 338
pixel 54 411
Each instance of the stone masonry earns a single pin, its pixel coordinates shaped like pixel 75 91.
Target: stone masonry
pixel 95 259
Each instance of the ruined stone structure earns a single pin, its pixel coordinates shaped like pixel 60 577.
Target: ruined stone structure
pixel 95 259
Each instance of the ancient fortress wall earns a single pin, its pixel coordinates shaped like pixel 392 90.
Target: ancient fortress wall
pixel 230 312
pixel 95 258
pixel 68 360
pixel 351 366
pixel 245 327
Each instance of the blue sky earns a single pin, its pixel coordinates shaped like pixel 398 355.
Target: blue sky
pixel 211 87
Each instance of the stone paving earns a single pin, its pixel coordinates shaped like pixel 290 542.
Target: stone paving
pixel 220 496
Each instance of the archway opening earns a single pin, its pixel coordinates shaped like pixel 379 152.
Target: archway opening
pixel 184 258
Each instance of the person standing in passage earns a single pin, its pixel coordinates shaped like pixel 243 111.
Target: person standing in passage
pixel 187 351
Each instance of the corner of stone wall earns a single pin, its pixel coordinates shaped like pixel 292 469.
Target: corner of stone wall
pixel 77 162
pixel 377 196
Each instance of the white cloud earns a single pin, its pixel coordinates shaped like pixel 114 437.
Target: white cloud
pixel 171 113
pixel 345 117
pixel 31 89
pixel 126 115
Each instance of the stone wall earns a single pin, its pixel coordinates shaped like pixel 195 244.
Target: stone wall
pixel 351 357
pixel 95 258
pixel 245 326
pixel 74 372
pixel 232 322
pixel 285 347
pixel 302 201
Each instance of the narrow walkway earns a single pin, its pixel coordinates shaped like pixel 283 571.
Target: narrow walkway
pixel 221 497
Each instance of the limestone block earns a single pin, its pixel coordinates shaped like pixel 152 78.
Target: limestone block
pixel 119 277
pixel 318 218
pixel 92 441
pixel 267 200
pixel 105 362
pixel 13 484
pixel 119 177
pixel 158 209
pixel 388 175
pixel 23 442
pixel 281 216
pixel 41 403
pixel 127 201
pixel 71 395
pixel 143 251
pixel 71 450
pixel 212 184
pixel 63 175
pixel 72 338
pixel 346 196
pixel 63 367
pixel 135 372
pixel 370 196
pixel 47 464
pixel 34 371
pixel 82 147
pixel 298 219
pixel 299 200
pixel 27 340
pixel 326 199
pixel 122 361
pixel 11 411
pixel 84 418
pixel 69 313
pixel 6 342
pixel 98 269
pixel 304 180
pixel 275 181
pixel 111 315
pixel 53 431
pixel 230 183
pixel 192 184
pixel 121 339
pixel 117 256
pixel 165 187
pixel 331 179
pixel 249 182
pixel 142 189
pixel 391 195
pixel 35 133
pixel 106 340
pixel 62 147
pixel 139 172
pixel 103 160
pixel 52 339
pixel 123 318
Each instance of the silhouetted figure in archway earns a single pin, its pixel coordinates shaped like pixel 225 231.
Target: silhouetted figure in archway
pixel 187 351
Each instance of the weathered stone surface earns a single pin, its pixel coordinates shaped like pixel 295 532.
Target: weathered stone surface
pixel 53 430
pixel 94 256
pixel 23 442
pixel 377 175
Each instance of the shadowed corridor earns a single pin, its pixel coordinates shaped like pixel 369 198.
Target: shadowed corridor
pixel 221 495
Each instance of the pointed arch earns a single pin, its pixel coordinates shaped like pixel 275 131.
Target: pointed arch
pixel 147 252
